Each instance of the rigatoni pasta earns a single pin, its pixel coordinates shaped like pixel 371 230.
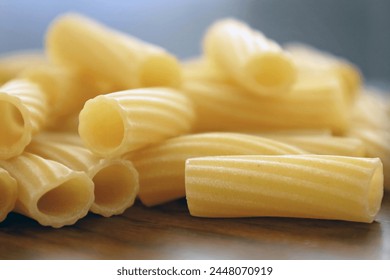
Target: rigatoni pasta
pixel 221 107
pixel 8 193
pixel 247 56
pixel 115 180
pixel 304 186
pixel 23 113
pixel 116 123
pixel 161 166
pixel 49 192
pixel 80 43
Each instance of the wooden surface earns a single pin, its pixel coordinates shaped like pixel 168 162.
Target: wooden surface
pixel 169 232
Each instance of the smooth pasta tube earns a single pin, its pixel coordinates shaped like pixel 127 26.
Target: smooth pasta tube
pixel 12 64
pixel 300 186
pixel 115 180
pixel 8 193
pixel 49 192
pixel 312 62
pixel 252 60
pixel 222 107
pixel 113 124
pixel 161 166
pixel 324 145
pixel 23 112
pixel 78 42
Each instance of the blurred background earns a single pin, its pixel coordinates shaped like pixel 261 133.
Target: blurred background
pixel 357 30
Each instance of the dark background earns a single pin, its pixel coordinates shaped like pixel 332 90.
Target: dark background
pixel 355 29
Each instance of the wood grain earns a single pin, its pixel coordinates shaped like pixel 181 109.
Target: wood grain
pixel 169 232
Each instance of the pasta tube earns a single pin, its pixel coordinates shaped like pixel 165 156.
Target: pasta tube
pixel 115 180
pixel 113 124
pixel 48 191
pixel 300 186
pixel 247 56
pixel 12 64
pixel 78 42
pixel 23 112
pixel 161 167
pixel 8 193
pixel 224 107
pixel 314 62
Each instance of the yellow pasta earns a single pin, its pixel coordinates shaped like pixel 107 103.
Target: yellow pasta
pixel 66 91
pixel 12 64
pixel 225 107
pixel 80 43
pixel 23 112
pixel 161 166
pixel 247 56
pixel 48 191
pixel 115 180
pixel 377 142
pixel 311 62
pixel 324 145
pixel 113 124
pixel 301 186
pixel 8 193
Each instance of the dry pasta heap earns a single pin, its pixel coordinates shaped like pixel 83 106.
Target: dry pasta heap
pixel 249 128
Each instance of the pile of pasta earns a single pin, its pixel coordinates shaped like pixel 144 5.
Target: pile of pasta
pixel 249 128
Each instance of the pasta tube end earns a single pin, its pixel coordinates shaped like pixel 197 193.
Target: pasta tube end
pixel 375 191
pixel 116 187
pixel 270 72
pixel 104 132
pixel 65 203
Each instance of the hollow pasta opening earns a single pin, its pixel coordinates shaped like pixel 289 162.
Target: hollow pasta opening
pixel 101 126
pixel 115 185
pixel 160 71
pixel 66 200
pixel 375 194
pixel 271 71
pixel 11 125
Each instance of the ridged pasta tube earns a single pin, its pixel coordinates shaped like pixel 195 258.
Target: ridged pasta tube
pixel 23 112
pixel 377 142
pixel 115 180
pixel 78 42
pixel 252 60
pixel 221 107
pixel 300 186
pixel 49 192
pixel 161 166
pixel 8 193
pixel 113 124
